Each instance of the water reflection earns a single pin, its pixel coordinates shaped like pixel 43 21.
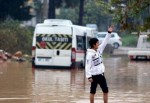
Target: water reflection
pixel 124 79
pixel 56 85
pixel 128 82
pixel 15 82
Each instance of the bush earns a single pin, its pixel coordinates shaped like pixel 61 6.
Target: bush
pixel 129 40
pixel 14 38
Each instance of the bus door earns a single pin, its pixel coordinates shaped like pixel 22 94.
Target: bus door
pixel 62 46
pixel 53 49
pixel 44 50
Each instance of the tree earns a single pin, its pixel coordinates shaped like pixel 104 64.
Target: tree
pixel 53 4
pixel 81 12
pixel 134 15
pixel 15 38
pixel 97 12
pixel 51 10
pixel 16 9
pixel 94 12
pixel 69 13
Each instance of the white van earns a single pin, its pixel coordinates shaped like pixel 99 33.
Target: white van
pixel 58 22
pixel 59 45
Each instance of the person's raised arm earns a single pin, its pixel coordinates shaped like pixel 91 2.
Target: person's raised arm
pixel 105 41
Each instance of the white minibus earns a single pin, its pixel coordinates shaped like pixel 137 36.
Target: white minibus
pixel 60 45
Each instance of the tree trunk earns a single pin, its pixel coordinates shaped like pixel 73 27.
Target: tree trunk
pixel 51 10
pixel 81 11
pixel 45 10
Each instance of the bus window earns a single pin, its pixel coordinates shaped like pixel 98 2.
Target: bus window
pixel 80 43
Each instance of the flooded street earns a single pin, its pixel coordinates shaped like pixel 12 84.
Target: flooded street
pixel 129 82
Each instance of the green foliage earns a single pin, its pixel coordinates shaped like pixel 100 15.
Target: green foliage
pixel 146 24
pixel 72 3
pixel 97 12
pixel 129 40
pixel 14 38
pixel 132 15
pixel 16 9
pixel 69 13
pixel 94 12
pixel 66 3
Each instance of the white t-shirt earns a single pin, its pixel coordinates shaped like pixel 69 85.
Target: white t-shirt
pixel 94 61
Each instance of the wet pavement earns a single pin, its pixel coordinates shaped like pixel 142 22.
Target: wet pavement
pixel 129 82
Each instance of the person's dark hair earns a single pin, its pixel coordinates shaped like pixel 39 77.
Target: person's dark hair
pixel 92 42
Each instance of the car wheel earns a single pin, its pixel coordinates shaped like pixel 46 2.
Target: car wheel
pixel 116 45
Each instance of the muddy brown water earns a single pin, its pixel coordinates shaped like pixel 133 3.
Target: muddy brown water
pixel 129 82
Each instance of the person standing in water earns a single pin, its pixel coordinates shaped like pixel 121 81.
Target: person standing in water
pixel 95 68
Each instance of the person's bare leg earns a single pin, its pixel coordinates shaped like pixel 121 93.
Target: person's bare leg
pixel 105 97
pixel 91 98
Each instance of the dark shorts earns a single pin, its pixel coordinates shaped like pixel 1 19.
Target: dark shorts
pixel 99 79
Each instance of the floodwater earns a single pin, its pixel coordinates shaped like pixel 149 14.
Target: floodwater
pixel 129 82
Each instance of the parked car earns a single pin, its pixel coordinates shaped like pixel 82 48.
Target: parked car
pixel 142 52
pixel 115 39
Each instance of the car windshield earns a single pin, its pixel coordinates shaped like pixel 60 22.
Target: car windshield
pixel 103 35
